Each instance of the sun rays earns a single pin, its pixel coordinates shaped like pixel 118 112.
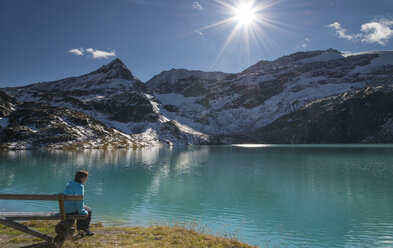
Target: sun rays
pixel 245 21
pixel 245 13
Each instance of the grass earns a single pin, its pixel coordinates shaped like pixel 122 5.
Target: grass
pixel 149 237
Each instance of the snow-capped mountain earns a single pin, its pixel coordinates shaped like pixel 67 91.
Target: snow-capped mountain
pixel 194 107
pixel 254 98
pixel 113 96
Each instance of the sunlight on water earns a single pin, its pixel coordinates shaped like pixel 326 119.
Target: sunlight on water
pixel 252 145
pixel 276 195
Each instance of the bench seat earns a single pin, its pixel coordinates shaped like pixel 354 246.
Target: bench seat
pixel 39 216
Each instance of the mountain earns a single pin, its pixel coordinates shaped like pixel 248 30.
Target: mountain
pixel 271 101
pixel 245 102
pixel 116 98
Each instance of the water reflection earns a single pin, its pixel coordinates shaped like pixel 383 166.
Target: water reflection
pixel 295 196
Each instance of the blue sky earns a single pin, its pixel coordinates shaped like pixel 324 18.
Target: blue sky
pixel 44 40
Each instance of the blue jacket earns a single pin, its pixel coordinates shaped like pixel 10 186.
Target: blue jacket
pixel 74 188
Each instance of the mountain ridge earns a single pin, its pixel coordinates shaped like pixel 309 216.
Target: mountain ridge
pixel 182 106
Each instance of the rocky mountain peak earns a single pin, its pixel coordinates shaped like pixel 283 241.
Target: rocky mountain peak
pixel 333 50
pixel 116 69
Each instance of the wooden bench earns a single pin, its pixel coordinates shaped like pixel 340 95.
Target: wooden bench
pixel 63 229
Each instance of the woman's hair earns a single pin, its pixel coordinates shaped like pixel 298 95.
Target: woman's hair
pixel 80 174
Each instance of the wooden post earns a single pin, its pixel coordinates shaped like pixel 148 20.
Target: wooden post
pixel 23 228
pixel 62 208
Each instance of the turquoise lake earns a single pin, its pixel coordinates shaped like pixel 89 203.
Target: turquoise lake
pixel 269 196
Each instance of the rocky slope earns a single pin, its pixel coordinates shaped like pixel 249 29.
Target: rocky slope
pixel 37 125
pixel 361 116
pixel 195 107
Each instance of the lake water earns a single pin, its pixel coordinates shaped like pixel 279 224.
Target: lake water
pixel 269 196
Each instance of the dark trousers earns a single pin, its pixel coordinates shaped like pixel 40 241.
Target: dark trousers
pixel 82 224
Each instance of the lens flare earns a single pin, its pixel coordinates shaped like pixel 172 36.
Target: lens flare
pixel 245 14
pixel 248 20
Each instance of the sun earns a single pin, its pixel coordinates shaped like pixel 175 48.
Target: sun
pixel 245 21
pixel 245 13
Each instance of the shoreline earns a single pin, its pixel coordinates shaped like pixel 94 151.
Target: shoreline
pixel 240 145
pixel 119 236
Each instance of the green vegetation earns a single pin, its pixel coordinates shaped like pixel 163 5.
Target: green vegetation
pixel 150 237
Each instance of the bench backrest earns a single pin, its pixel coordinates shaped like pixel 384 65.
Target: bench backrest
pixel 38 197
pixel 58 197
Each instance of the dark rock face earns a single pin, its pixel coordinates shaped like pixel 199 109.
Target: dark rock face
pixel 35 125
pixel 190 86
pixel 126 107
pixel 171 108
pixel 7 104
pixel 365 115
pixel 250 95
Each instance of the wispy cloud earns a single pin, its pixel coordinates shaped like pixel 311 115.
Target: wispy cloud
pixel 304 45
pixel 93 53
pixel 98 54
pixel 197 5
pixel 378 31
pixel 342 33
pixel 76 51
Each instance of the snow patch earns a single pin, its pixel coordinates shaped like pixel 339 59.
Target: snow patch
pixel 384 58
pixel 185 103
pixel 149 135
pixel 32 128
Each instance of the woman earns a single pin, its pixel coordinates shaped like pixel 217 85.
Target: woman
pixel 76 187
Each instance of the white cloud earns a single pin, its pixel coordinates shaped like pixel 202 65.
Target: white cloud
pixel 378 31
pixel 95 54
pixel 304 46
pixel 98 54
pixel 76 51
pixel 200 33
pixel 197 5
pixel 307 39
